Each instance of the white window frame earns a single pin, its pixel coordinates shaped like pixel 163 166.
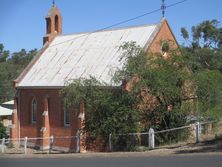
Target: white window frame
pixel 33 109
pixel 66 122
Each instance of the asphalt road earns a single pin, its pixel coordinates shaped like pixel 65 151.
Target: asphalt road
pixel 153 161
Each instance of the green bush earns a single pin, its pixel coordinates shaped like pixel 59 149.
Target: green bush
pixel 3 133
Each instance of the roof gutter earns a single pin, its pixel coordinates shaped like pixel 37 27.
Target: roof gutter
pixel 39 87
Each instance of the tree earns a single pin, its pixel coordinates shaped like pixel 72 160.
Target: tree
pixel 206 34
pixel 204 60
pixel 159 86
pixel 4 54
pixel 108 110
pixel 3 133
pixel 11 65
pixel 162 92
pixel 22 58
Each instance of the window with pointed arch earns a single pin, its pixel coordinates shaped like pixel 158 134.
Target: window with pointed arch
pixel 56 23
pixel 48 25
pixel 165 47
pixel 33 111
pixel 66 117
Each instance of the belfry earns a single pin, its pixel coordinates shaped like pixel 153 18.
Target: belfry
pixel 53 24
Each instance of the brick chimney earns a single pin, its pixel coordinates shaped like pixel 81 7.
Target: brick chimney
pixel 53 24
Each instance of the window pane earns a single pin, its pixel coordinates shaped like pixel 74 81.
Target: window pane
pixel 66 117
pixel 34 105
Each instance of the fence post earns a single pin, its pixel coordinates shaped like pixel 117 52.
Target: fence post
pixel 151 139
pixel 3 145
pixel 197 132
pixel 110 142
pixel 25 144
pixel 78 141
pixel 50 143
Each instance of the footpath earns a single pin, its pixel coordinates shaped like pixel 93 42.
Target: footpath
pixel 210 147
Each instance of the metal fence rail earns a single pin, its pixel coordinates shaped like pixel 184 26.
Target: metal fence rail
pixel 116 142
pixel 50 144
pixel 154 139
pixel 173 129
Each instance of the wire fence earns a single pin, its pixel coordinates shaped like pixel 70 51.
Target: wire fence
pixel 39 145
pixel 173 137
pixel 144 141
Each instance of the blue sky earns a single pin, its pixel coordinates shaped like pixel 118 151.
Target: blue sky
pixel 22 22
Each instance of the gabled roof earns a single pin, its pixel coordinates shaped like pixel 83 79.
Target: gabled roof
pixel 83 55
pixel 8 104
pixel 5 111
pixel 7 108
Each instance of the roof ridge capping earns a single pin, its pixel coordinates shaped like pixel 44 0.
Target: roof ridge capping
pixel 111 29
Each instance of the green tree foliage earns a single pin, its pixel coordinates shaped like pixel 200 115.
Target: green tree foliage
pixel 11 65
pixel 3 133
pixel 159 90
pixel 4 54
pixel 108 110
pixel 206 34
pixel 163 91
pixel 204 60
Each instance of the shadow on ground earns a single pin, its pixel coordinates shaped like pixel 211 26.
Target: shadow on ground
pixel 209 146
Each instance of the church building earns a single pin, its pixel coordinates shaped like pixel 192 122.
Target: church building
pixel 39 111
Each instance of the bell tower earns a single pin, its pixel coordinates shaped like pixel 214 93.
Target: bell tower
pixel 53 24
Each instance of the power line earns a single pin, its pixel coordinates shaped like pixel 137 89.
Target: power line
pixel 162 8
pixel 122 22
pixel 174 4
pixel 111 26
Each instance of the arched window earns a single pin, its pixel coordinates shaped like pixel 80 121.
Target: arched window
pixel 33 111
pixel 56 23
pixel 165 47
pixel 66 117
pixel 48 25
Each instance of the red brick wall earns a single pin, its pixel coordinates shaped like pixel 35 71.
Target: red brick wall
pixel 166 34
pixel 55 116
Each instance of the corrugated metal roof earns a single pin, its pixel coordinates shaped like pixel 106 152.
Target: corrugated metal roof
pixel 5 111
pixel 74 56
pixel 9 102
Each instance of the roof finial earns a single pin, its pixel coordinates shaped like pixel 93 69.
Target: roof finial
pixel 53 3
pixel 163 7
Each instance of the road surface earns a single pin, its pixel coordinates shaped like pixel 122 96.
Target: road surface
pixel 205 160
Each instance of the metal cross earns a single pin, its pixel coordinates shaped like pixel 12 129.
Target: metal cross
pixel 163 7
pixel 53 3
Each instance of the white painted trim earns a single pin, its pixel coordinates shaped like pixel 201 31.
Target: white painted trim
pixel 81 116
pixel 45 113
pixel 43 129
